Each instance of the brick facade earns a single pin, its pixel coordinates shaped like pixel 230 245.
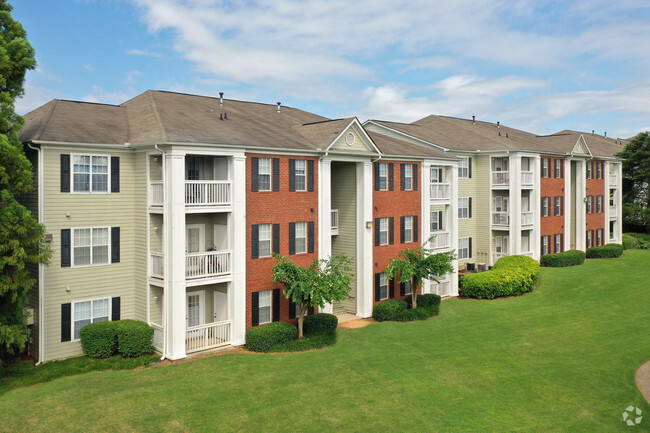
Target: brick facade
pixel 552 186
pixel 595 220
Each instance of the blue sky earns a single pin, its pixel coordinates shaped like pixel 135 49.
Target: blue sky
pixel 541 66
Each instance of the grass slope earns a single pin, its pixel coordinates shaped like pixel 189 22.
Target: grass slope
pixel 560 359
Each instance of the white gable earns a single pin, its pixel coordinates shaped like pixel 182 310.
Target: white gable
pixel 581 148
pixel 353 139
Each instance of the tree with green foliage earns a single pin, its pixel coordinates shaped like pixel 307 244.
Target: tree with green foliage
pixel 636 183
pixel 323 282
pixel 21 236
pixel 416 265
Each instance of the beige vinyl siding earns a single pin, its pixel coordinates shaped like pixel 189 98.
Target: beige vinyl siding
pixel 358 146
pixel 208 221
pixel 155 304
pixel 344 198
pixel 476 227
pixel 156 230
pixel 126 210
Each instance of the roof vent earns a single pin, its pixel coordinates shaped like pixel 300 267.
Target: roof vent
pixel 507 136
pixel 221 99
pixel 220 116
pixel 279 104
pixel 499 133
pixel 473 120
pixel 592 132
pixel 225 116
pixel 605 134
pixel 498 124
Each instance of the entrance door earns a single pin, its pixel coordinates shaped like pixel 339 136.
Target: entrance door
pixel 220 306
pixel 194 243
pixel 195 309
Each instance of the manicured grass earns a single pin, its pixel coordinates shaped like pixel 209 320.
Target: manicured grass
pixel 559 359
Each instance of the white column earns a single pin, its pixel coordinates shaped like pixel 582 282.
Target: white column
pixel 581 221
pixel 606 234
pixel 364 240
pixel 175 253
pixel 568 197
pixel 535 206
pixel 514 211
pixel 238 242
pixel 324 214
pixel 618 200
pixel 452 223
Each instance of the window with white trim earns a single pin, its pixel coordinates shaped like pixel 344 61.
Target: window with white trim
pixel 436 220
pixel 546 211
pixel 87 312
pixel 590 239
pixel 590 203
pixel 463 248
pixel 264 244
pixel 599 237
pixel 301 238
pixel 90 173
pixel 463 207
pixel 407 288
pixel 383 286
pixel 264 174
pixel 599 169
pixel 558 243
pixel 90 246
pixel 589 169
pixel 599 204
pixel 264 309
pixel 545 244
pixel 408 229
pixel 463 167
pixel 301 175
pixel 558 205
pixel 545 163
pixel 558 168
pixel 383 176
pixel 383 231
pixel 408 177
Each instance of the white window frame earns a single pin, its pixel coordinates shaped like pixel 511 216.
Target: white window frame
pixel 92 318
pixel 73 246
pixel 599 204
pixel 463 248
pixel 434 220
pixel 269 294
pixel 557 205
pixel 545 244
pixel 589 173
pixel 599 170
pixel 463 208
pixel 301 234
pixel 500 163
pixel 546 206
pixel 599 237
pixel 408 177
pixel 500 203
pixel 383 176
pixel 383 231
pixel 589 207
pixel 383 286
pixel 557 168
pixel 264 185
pixel 589 242
pixel 501 244
pixel 463 167
pixel 201 295
pixel 90 173
pixel 260 240
pixel 408 229
pixel 407 288
pixel 545 168
pixel 435 174
pixel 557 241
pixel 300 175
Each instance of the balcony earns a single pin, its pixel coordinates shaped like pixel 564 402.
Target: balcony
pixel 527 218
pixel 613 212
pixel 439 191
pixel 207 336
pixel 208 264
pixel 527 179
pixel 500 219
pixel 500 179
pixel 335 222
pixel 198 193
pixel 613 180
pixel 498 255
pixel 443 288
pixel 440 239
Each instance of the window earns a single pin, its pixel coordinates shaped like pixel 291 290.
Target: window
pixel 301 175
pixel 86 312
pixel 464 207
pixel 264 245
pixel 436 220
pixel 558 243
pixel 558 206
pixel 264 167
pixel 463 248
pixel 590 203
pixel 264 309
pixel 90 246
pixel 590 238
pixel 545 167
pixel 408 229
pixel 436 174
pixel 599 169
pixel 590 168
pixel 558 168
pixel 612 199
pixel 599 237
pixel 407 176
pixel 406 288
pixel 90 173
pixel 383 286
pixel 301 238
pixel 383 176
pixel 599 204
pixel 464 170
pixel 546 211
pixel 545 244
pixel 383 231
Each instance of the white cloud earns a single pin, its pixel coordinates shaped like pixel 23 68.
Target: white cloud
pixel 137 52
pixel 98 94
pixel 34 97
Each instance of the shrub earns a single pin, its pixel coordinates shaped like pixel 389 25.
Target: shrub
pixel 563 259
pixel 608 251
pixel 319 323
pixel 419 313
pixel 426 300
pixel 388 310
pixel 510 276
pixel 99 340
pixel 262 338
pixel 308 342
pixel 635 240
pixel 134 338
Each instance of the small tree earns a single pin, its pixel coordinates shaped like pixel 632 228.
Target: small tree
pixel 417 264
pixel 323 282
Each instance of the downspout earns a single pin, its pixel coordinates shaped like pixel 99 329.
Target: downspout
pixel 41 266
pixel 164 251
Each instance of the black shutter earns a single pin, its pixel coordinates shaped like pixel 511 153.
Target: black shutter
pixel 377 295
pixel 255 241
pixel 115 309
pixel 562 205
pixel 555 163
pixel 292 238
pixel 562 168
pixel 469 167
pixel 415 177
pixel 255 174
pixel 65 248
pixel 276 174
pixel 115 244
pixel 469 211
pixel 310 175
pixel 292 175
pixel 115 174
pixel 391 230
pixel 276 238
pixel 66 324
pixel 255 308
pixel 391 183
pixel 391 289
pixel 310 237
pixel 276 305
pixel 401 229
pixel 376 176
pixel 310 310
pixel 376 232
pixel 65 175
pixel 292 310
pixel 415 228
pixel 402 177
pixel 469 253
pixel 561 242
pixel 402 289
pixel 440 221
pixel 440 174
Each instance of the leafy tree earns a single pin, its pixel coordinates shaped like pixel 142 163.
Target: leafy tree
pixel 21 236
pixel 417 264
pixel 636 182
pixel 323 282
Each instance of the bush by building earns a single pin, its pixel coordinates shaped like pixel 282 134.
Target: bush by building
pixel 563 259
pixel 510 276
pixel 262 338
pixel 609 251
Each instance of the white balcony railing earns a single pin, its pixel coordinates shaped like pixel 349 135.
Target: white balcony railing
pixel 500 178
pixel 612 211
pixel 207 264
pixel 500 219
pixel 497 255
pixel 157 336
pixel 527 178
pixel 527 218
pixel 207 336
pixel 439 191
pixel 527 253
pixel 157 192
pixel 335 221
pixel 442 288
pixel 207 193
pixel 440 240
pixel 157 265
pixel 613 180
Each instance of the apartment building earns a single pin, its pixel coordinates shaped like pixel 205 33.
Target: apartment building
pixel 168 207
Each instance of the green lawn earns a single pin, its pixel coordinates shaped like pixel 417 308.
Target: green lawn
pixel 561 359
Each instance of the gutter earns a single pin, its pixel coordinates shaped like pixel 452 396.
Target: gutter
pixel 164 251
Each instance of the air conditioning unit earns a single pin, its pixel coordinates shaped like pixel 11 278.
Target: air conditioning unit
pixel 481 267
pixel 471 267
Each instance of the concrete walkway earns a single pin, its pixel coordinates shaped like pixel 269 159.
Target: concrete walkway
pixel 642 378
pixel 351 321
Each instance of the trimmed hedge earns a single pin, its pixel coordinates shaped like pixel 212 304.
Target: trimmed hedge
pixel 134 338
pixel 426 300
pixel 510 276
pixel 635 241
pixel 609 251
pixel 320 323
pixel 388 310
pixel 419 313
pixel 263 338
pixel 99 340
pixel 308 342
pixel 563 259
